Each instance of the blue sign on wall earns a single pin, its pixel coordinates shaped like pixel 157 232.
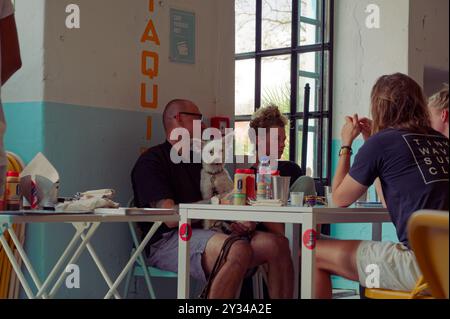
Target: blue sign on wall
pixel 182 36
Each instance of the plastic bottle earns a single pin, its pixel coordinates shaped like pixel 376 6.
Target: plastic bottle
pixel 264 179
pixel 12 197
pixel 239 196
pixel 244 186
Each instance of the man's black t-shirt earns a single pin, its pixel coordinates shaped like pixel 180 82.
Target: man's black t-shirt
pixel 156 177
pixel 287 168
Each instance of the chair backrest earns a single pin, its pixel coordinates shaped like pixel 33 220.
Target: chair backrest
pixel 428 235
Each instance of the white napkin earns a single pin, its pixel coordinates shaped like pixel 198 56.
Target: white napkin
pixel 89 201
pixel 84 205
pixel 266 202
pixel 40 165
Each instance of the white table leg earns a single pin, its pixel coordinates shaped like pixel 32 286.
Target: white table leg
pixel 75 256
pixel 141 260
pixel 59 263
pixel 15 265
pixel 25 259
pixel 183 259
pixel 133 258
pixel 292 233
pixel 307 259
pixel 97 261
pixel 377 229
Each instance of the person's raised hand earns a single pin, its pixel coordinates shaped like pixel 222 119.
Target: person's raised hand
pixel 365 125
pixel 351 130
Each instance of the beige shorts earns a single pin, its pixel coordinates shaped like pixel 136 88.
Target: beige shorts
pixel 396 265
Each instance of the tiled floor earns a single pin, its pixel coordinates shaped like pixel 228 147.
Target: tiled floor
pixel 345 294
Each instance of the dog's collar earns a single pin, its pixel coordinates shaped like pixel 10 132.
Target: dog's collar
pixel 214 174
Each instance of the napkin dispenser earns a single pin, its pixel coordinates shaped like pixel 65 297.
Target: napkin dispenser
pixel 39 183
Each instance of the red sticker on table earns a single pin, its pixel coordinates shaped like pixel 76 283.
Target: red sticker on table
pixel 185 232
pixel 310 239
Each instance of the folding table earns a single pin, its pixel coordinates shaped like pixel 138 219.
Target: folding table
pixel 293 217
pixel 85 225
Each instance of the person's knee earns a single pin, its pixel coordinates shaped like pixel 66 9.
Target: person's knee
pixel 323 255
pixel 283 244
pixel 328 257
pixel 277 247
pixel 241 254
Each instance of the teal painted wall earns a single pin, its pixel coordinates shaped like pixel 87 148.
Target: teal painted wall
pixel 25 137
pixel 91 148
pixel 355 231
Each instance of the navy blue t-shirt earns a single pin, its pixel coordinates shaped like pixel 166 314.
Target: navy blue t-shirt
pixel 413 169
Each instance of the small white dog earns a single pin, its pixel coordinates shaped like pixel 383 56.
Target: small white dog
pixel 215 180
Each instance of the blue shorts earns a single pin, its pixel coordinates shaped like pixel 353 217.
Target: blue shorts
pixel 164 253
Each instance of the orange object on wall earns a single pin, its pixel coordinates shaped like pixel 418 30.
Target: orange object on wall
pixel 221 123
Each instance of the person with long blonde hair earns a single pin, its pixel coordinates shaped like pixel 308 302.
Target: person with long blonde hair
pixel 411 160
pixel 438 107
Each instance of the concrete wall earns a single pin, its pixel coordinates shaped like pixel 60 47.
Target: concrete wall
pixel 362 54
pixel 429 43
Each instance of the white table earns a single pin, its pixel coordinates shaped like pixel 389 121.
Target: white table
pixel 293 217
pixel 85 226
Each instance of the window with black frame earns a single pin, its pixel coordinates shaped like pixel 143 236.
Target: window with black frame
pixel 284 56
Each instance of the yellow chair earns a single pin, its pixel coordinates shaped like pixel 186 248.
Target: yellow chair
pixel 428 235
pixel 428 231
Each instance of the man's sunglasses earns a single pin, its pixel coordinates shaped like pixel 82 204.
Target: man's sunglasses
pixel 197 116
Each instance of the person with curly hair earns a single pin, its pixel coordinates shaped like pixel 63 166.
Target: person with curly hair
pixel 263 121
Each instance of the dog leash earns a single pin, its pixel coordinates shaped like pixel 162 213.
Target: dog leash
pixel 220 261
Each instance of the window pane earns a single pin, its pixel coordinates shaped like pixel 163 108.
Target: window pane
pixel 276 82
pixel 309 72
pixel 245 87
pixel 312 149
pixel 245 12
pixel 285 156
pixel 309 34
pixel 308 8
pixel 310 22
pixel 242 139
pixel 310 62
pixel 327 21
pixel 325 148
pixel 276 24
pixel 313 84
pixel 326 80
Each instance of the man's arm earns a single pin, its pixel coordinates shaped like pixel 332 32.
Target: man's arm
pixel 345 189
pixel 167 204
pixel 10 54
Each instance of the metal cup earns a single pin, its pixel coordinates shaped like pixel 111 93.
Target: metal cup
pixel 280 188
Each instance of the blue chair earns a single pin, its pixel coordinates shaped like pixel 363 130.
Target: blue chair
pixel 140 268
